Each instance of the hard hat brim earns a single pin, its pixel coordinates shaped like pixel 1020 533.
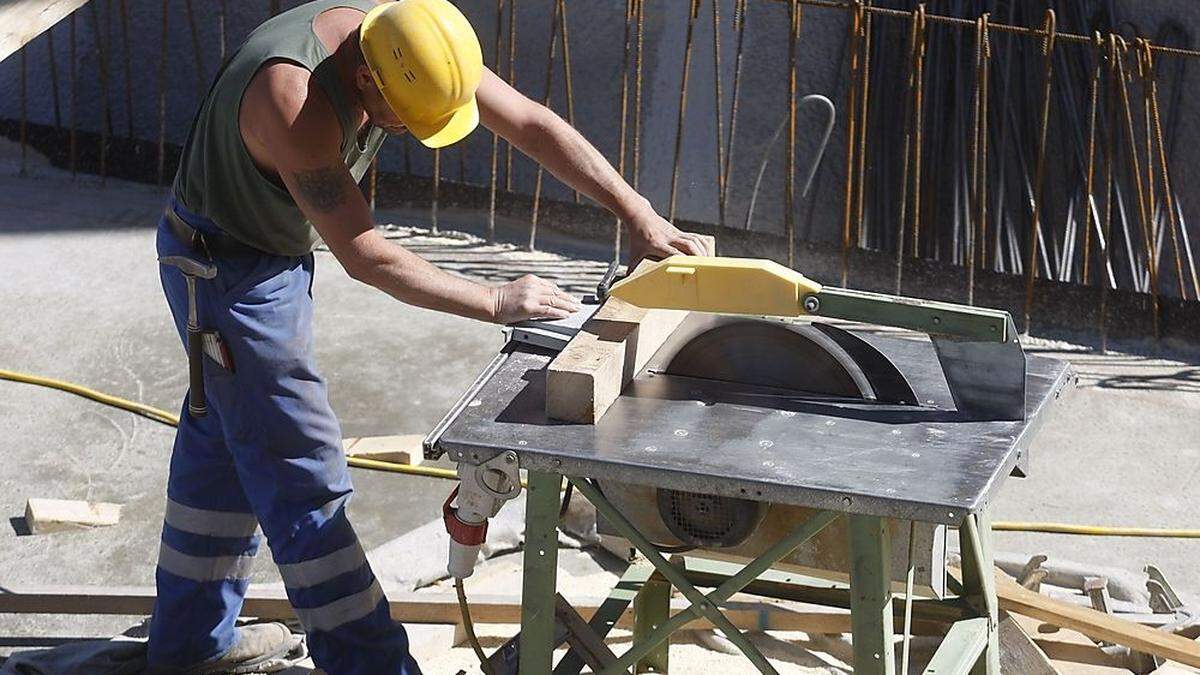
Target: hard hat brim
pixel 452 129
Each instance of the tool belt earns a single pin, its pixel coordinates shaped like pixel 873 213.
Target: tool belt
pixel 210 245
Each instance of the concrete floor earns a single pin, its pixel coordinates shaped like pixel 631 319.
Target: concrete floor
pixel 81 301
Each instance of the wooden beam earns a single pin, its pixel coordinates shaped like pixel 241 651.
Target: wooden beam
pixel 1096 625
pixel 434 608
pixel 23 20
pixel 590 372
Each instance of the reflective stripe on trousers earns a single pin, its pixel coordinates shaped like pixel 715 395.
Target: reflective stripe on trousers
pixel 267 454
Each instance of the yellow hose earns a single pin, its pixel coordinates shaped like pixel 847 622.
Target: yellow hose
pixel 100 397
pixel 171 419
pixel 1093 530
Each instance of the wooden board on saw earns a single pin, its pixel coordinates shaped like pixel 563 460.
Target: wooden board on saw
pixel 23 20
pixel 589 373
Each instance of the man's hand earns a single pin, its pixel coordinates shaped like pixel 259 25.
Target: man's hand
pixel 531 297
pixel 652 236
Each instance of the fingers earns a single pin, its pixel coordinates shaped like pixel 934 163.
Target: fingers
pixel 693 244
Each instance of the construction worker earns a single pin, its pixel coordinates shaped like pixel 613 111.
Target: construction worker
pixel 270 168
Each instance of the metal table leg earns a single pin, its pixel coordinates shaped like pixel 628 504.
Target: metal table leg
pixel 540 578
pixel 651 609
pixel 979 584
pixel 871 596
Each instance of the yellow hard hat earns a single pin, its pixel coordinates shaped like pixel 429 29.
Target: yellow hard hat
pixel 426 61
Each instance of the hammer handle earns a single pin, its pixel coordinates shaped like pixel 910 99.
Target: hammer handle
pixel 196 403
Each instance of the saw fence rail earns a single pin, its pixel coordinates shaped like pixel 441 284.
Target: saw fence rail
pixel 1022 148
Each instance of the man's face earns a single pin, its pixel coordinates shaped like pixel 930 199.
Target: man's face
pixel 378 111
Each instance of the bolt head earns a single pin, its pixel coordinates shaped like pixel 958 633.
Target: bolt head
pixel 812 304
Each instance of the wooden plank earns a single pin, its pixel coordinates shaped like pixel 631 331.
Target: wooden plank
pixel 1096 625
pixel 23 20
pixel 434 608
pixel 590 372
pixel 1019 653
pixel 403 449
pixel 56 515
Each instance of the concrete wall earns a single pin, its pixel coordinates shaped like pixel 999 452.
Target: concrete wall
pixel 597 33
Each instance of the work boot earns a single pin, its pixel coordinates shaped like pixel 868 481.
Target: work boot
pixel 258 645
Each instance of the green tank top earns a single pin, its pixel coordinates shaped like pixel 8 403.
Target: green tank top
pixel 218 179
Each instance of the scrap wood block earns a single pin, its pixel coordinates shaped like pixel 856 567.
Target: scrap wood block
pixel 55 515
pixel 590 372
pixel 404 449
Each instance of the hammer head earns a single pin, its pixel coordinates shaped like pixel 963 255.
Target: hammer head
pixel 189 266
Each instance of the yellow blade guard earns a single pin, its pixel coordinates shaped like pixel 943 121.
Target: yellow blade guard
pixel 718 285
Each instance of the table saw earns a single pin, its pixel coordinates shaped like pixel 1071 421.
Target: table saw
pixel 759 442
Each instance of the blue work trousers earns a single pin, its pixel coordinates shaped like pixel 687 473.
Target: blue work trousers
pixel 269 453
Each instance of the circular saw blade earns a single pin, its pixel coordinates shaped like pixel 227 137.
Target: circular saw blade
pixel 771 354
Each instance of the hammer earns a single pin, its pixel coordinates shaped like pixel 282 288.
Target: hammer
pixel 195 346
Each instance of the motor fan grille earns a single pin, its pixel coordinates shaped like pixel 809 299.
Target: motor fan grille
pixel 709 521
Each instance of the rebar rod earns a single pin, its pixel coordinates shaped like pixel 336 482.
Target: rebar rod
pixel 1168 194
pixel 570 88
pixel 1144 214
pixel 24 113
pixel 128 69
pixel 1109 184
pixel 74 154
pixel 1089 188
pixel 716 26
pixel 197 53
pixel 637 96
pixel 979 151
pixel 491 221
pixel 162 95
pixel 852 89
pixel 546 100
pixel 629 13
pixel 739 19
pixel 693 13
pixel 222 15
pixel 1040 175
pixel 916 39
pixel 864 116
pixel 789 220
pixel 512 80
pixel 437 179
pixel 52 57
pixel 105 110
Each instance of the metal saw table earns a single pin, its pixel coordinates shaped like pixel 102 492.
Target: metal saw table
pixel 865 462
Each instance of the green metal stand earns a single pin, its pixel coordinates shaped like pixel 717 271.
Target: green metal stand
pixel 540 580
pixel 970 646
pixel 871 596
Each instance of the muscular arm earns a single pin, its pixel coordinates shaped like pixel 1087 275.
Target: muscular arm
pixel 556 145
pixel 298 126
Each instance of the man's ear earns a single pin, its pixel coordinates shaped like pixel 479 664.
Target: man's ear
pixel 363 78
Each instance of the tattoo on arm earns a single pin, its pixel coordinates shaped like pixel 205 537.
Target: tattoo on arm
pixel 324 188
